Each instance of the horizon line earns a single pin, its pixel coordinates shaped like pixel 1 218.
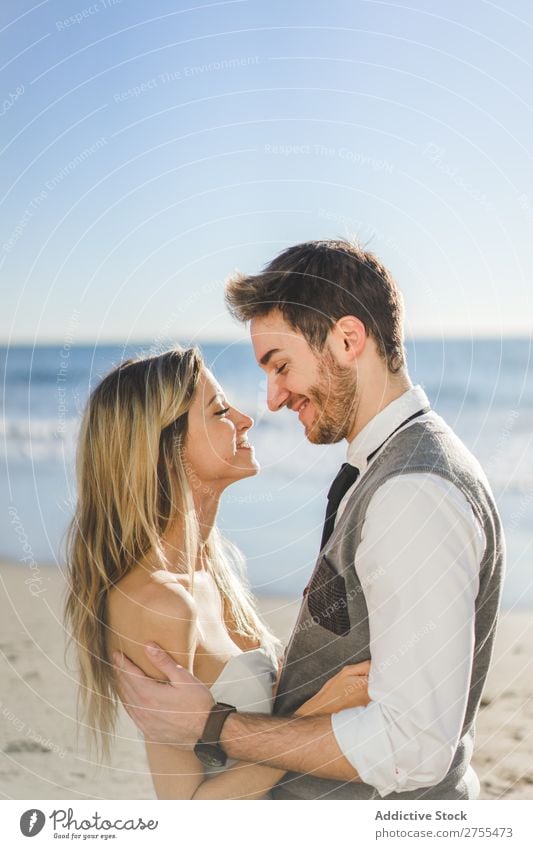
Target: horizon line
pixel 117 343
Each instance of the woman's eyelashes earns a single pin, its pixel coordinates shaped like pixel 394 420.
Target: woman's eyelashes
pixel 223 412
pixel 281 369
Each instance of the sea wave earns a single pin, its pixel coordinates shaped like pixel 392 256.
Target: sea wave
pixel 37 439
pixel 285 456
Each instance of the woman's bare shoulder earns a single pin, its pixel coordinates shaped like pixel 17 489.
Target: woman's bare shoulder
pixel 151 607
pixel 166 593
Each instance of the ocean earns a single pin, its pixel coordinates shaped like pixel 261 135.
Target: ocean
pixel 483 388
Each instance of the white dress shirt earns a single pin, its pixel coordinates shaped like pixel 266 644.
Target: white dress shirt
pixel 418 562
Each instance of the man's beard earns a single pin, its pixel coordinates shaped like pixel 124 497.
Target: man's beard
pixel 335 399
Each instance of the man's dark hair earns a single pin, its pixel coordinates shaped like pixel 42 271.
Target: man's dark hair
pixel 317 283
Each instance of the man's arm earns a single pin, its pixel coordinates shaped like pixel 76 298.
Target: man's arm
pixel 297 744
pixel 175 713
pixel 418 562
pixel 421 610
pixel 420 570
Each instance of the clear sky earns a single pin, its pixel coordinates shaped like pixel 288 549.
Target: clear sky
pixel 149 149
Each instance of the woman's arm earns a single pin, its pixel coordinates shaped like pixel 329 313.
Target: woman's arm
pixel 177 773
pixel 348 688
pixel 168 618
pixel 241 781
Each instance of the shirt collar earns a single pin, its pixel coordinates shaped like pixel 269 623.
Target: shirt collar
pixel 381 426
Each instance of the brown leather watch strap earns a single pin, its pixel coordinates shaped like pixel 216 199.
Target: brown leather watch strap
pixel 216 719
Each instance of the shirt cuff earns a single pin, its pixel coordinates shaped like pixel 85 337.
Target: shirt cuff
pixel 363 740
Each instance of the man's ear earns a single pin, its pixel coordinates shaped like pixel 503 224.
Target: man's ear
pixel 348 338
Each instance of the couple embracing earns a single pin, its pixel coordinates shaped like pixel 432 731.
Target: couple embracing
pixel 377 692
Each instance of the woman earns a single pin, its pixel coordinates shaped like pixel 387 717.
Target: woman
pixel 158 446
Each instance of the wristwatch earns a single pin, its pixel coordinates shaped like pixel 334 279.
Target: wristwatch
pixel 208 749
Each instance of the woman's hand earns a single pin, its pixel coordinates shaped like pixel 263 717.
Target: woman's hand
pixel 348 688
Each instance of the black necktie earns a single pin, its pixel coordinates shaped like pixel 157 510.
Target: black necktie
pixel 348 476
pixel 338 489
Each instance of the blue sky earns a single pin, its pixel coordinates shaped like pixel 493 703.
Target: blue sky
pixel 148 150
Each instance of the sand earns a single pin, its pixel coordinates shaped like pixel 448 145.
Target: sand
pixel 43 756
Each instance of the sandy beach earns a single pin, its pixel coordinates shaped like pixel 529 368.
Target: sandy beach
pixel 44 757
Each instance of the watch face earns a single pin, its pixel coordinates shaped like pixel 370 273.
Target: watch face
pixel 210 754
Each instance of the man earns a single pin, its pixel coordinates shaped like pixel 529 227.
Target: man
pixel 410 568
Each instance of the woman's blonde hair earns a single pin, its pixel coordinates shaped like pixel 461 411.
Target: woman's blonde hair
pixel 132 484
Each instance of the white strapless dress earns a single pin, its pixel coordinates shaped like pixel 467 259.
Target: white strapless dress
pixel 245 682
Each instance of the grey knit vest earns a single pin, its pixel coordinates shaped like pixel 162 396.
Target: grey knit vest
pixel 332 629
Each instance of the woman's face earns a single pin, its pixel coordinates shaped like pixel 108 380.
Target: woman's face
pixel 216 452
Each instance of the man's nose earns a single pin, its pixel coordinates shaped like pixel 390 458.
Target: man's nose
pixel 277 397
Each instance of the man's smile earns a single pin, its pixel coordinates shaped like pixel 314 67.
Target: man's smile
pixel 299 407
pixel 302 407
pixel 296 406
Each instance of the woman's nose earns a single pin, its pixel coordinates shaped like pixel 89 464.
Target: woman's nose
pixel 245 422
